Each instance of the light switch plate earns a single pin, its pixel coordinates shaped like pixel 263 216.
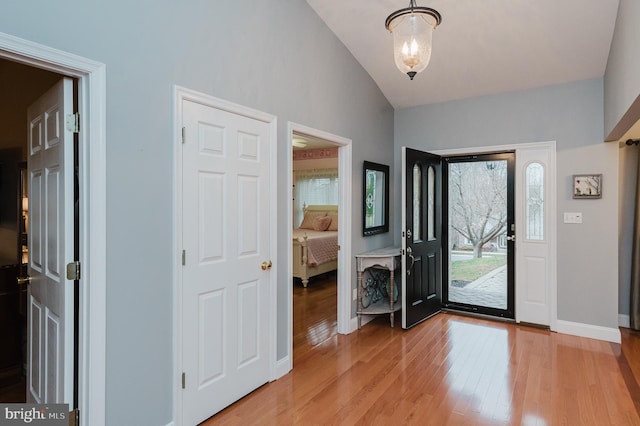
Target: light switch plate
pixel 572 217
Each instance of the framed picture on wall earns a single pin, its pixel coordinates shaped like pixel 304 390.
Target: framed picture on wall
pixel 587 186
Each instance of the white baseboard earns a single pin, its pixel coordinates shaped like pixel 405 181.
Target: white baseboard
pixel 365 319
pixel 353 324
pixel 283 366
pixel 567 327
pixel 624 321
pixel 587 330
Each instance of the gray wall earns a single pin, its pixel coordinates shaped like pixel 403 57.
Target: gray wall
pixel 275 56
pixel 572 115
pixel 621 88
pixel 622 79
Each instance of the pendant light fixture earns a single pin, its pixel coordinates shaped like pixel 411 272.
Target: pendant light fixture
pixel 412 30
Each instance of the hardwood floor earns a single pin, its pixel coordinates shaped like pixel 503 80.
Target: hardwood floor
pixel 14 393
pixel 315 313
pixel 449 370
pixel 628 355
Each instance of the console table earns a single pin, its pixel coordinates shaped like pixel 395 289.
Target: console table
pixel 377 262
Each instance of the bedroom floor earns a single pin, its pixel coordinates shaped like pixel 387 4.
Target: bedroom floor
pixel 315 312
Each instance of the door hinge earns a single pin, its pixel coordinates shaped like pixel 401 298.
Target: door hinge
pixel 184 135
pixel 338 247
pixel 73 270
pixel 74 417
pixel 184 380
pixel 73 122
pixel 184 257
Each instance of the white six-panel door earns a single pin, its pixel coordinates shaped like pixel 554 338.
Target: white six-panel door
pixel 226 240
pixel 50 297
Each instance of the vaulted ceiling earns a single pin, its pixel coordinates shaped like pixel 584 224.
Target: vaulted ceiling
pixel 481 47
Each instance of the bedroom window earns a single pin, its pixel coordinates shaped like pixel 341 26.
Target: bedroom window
pixel 312 187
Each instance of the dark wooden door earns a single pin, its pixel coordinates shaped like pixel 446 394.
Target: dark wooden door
pixel 421 236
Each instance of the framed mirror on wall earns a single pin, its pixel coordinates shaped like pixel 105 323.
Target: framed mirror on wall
pixel 375 199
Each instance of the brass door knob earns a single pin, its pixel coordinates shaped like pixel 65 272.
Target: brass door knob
pixel 23 280
pixel 266 265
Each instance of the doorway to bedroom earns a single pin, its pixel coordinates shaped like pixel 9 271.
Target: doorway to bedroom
pixel 318 212
pixel 315 188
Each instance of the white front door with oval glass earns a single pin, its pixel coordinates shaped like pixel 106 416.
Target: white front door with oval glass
pixel 535 213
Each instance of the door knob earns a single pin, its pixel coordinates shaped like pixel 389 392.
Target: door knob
pixel 23 280
pixel 266 265
pixel 413 260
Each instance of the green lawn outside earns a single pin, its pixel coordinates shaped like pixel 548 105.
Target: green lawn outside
pixel 472 269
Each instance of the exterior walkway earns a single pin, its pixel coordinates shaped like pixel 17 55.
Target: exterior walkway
pixel 489 290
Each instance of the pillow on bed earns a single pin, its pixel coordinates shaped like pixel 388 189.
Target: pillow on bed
pixel 309 218
pixel 321 223
pixel 334 221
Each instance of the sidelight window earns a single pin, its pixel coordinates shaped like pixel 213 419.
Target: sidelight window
pixel 534 214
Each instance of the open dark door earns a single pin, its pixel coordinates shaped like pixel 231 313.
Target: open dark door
pixel 421 236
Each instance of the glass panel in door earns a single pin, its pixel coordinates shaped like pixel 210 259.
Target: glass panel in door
pixel 480 234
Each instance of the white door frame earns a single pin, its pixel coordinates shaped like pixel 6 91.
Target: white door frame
pixel 344 231
pixel 550 223
pixel 92 173
pixel 181 94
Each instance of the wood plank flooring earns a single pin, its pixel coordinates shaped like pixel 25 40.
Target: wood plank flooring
pixel 628 355
pixel 14 392
pixel 315 313
pixel 448 370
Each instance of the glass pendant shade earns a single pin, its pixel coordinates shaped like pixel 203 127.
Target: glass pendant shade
pixel 412 30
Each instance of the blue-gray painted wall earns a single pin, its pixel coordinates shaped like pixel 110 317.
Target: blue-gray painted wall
pixel 275 56
pixel 621 88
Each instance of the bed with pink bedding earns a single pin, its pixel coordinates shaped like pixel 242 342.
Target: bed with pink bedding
pixel 315 243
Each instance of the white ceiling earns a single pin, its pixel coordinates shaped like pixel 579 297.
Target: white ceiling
pixel 481 47
pixel 310 142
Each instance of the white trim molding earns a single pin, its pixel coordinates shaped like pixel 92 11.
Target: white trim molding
pixel 624 321
pixel 92 91
pixel 283 366
pixel 597 332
